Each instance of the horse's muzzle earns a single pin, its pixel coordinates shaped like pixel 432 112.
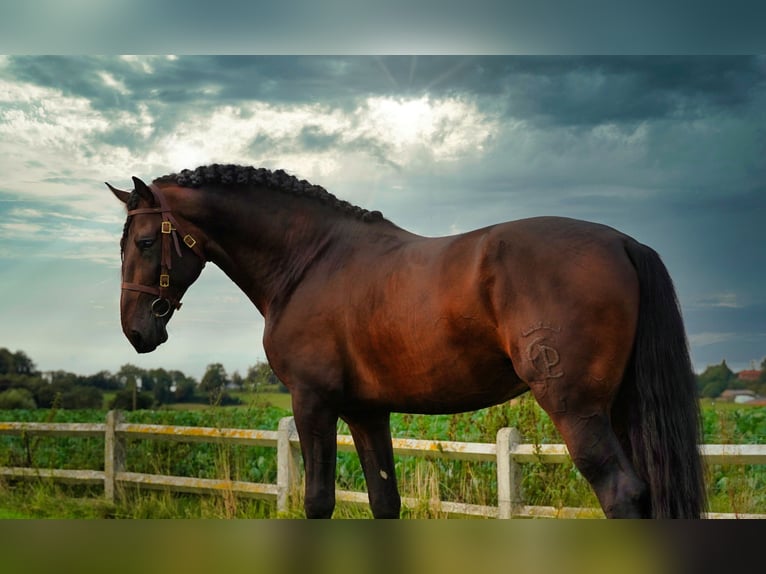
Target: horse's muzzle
pixel 146 343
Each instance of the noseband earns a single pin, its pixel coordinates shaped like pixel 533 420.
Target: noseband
pixel 165 301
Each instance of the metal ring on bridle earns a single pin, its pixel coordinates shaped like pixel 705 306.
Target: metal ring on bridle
pixel 161 307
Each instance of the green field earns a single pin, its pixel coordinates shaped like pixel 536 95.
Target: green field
pixel 739 489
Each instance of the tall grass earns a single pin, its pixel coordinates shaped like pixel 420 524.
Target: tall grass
pixel 736 488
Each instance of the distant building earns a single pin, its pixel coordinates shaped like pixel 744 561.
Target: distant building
pixel 749 376
pixel 738 395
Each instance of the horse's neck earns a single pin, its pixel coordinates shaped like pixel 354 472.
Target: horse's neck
pixel 266 243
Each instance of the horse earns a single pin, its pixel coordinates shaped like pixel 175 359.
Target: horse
pixel 364 318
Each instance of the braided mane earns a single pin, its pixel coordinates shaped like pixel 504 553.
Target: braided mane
pixel 229 175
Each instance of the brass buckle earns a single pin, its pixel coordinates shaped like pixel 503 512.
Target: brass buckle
pixel 164 280
pixel 167 227
pixel 190 241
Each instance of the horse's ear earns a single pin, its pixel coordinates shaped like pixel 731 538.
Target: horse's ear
pixel 143 190
pixel 118 193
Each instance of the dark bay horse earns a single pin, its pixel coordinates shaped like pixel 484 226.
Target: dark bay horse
pixel 363 318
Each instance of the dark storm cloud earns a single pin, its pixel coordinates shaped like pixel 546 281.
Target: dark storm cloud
pixel 597 89
pixel 667 97
pixel 74 76
pixel 206 79
pixel 588 91
pixel 79 76
pixel 396 26
pixel 273 78
pixel 584 91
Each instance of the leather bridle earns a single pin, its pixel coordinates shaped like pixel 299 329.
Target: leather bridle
pixel 166 300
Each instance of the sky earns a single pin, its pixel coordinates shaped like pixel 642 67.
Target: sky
pixel 669 149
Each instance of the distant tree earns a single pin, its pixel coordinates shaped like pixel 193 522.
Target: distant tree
pixel 237 380
pixel 260 374
pixel 31 383
pixel 129 374
pixel 124 400
pixel 6 362
pixel 17 399
pixel 214 383
pixel 715 380
pixel 146 381
pixel 67 392
pixel 215 379
pixel 61 377
pixel 82 397
pixel 6 381
pixel 103 380
pixel 184 390
pixel 23 365
pixel 182 387
pixel 760 385
pixel 161 381
pixel 17 363
pixel 49 395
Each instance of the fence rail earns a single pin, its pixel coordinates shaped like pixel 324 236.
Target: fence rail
pixel 508 453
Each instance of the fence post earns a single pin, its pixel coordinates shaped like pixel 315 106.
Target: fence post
pixel 508 473
pixel 114 455
pixel 288 463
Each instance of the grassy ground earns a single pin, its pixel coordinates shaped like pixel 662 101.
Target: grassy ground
pixel 42 499
pixel 249 401
pixel 276 399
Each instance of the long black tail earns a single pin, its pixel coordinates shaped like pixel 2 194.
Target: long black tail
pixel 664 424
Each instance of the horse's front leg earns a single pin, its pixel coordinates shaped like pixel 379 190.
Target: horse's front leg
pixel 317 429
pixel 372 438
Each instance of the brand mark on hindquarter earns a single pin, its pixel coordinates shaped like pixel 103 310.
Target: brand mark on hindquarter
pixel 542 354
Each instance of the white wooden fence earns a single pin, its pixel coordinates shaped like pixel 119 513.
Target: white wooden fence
pixel 507 452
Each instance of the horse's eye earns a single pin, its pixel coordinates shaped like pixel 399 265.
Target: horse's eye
pixel 144 244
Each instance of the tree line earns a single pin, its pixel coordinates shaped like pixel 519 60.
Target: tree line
pixel 22 385
pixel 131 387
pixel 718 378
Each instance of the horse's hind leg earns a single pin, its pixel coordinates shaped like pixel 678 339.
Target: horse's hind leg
pixel 597 453
pixel 372 438
pixel 579 406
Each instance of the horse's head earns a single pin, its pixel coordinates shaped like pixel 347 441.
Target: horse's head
pixel 159 262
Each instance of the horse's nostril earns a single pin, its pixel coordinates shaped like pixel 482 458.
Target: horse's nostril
pixel 135 338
